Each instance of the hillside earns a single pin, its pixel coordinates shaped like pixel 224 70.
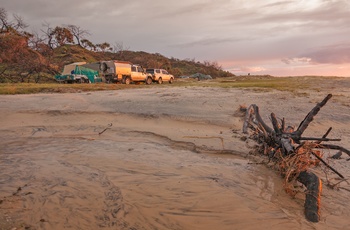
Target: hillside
pixel 21 61
pixel 25 57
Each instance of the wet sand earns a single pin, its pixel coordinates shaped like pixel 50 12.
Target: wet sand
pixel 158 158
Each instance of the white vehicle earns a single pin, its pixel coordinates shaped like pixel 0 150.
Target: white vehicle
pixel 124 72
pixel 160 75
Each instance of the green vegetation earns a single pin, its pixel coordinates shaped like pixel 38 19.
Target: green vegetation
pixel 260 83
pixel 30 88
pixel 268 82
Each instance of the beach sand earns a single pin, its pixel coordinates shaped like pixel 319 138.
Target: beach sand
pixel 160 158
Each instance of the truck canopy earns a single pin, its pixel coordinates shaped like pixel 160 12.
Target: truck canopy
pixel 67 69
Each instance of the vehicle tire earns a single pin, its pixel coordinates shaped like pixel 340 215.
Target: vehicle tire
pixel 149 81
pixel 171 81
pixel 160 81
pixel 127 81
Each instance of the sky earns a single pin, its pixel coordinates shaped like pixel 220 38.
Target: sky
pixel 279 38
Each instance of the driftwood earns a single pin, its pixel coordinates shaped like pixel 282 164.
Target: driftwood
pixel 292 153
pixel 108 127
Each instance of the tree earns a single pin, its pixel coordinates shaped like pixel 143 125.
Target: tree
pixel 62 36
pixel 3 20
pixel 36 42
pixel 19 61
pixel 104 46
pixel 48 35
pixel 78 33
pixel 152 63
pixel 176 72
pixel 119 49
pixel 87 44
pixel 10 26
pixel 57 36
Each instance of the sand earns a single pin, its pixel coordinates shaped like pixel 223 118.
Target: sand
pixel 159 158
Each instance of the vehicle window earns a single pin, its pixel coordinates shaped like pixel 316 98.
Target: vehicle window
pixel 164 72
pixel 139 69
pixel 149 70
pixel 133 68
pixel 157 70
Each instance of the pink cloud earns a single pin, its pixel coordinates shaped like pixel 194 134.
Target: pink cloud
pixel 333 54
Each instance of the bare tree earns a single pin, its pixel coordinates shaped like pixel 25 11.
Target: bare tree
pixel 19 23
pixel 8 25
pixel 48 35
pixel 119 47
pixel 35 40
pixel 4 21
pixel 78 33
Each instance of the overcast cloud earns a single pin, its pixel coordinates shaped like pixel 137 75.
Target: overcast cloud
pixel 281 38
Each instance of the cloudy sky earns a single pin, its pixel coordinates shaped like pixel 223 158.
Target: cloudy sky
pixel 280 38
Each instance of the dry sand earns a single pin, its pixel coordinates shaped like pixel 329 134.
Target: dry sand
pixel 170 158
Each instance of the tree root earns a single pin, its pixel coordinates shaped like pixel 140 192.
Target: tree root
pixel 293 153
